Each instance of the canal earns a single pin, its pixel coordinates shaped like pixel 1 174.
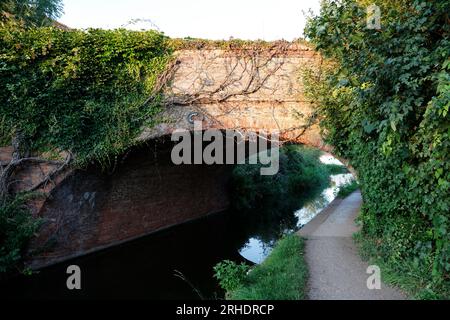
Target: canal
pixel 175 263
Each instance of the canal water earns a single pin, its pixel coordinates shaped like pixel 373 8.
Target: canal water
pixel 257 249
pixel 176 263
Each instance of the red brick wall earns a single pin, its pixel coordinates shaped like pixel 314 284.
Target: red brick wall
pixel 91 210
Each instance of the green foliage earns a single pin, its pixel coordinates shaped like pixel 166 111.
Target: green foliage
pixel 336 169
pixel 409 276
pixel 347 189
pixel 384 97
pixel 282 276
pixel 6 132
pixel 33 12
pixel 16 227
pixel 189 43
pixel 230 274
pixel 267 203
pixel 82 91
pixel 300 174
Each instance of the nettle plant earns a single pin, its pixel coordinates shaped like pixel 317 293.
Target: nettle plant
pixel 384 98
pixel 230 274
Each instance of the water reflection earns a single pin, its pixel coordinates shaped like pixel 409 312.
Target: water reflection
pixel 312 208
pixel 256 249
pixel 147 268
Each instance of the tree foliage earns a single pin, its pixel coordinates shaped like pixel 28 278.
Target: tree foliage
pixel 266 204
pixel 33 12
pixel 384 97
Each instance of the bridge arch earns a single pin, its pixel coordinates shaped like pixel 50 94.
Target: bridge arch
pixel 250 90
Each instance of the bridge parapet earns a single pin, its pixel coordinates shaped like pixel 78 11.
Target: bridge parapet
pixel 241 89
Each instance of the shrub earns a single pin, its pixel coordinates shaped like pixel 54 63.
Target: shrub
pixel 383 98
pixel 17 225
pixel 267 203
pixel 336 169
pixel 230 274
pixel 347 189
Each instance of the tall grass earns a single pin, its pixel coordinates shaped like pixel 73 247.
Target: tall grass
pixel 282 276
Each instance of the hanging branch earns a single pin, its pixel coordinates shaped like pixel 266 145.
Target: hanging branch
pixel 17 160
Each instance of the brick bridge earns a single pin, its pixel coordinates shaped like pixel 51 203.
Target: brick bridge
pixel 240 89
pixel 243 89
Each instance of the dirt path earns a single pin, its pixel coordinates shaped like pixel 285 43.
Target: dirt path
pixel 336 269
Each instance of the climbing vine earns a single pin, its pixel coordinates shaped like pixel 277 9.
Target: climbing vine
pixel 70 97
pixel 384 97
pixel 86 92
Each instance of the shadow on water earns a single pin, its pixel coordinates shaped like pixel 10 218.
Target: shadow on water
pixel 144 268
pixel 271 226
pixel 152 267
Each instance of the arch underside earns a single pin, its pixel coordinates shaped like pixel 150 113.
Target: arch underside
pixel 241 90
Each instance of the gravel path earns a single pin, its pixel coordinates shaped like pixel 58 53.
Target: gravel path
pixel 336 270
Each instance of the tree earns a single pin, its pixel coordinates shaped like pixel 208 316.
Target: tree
pixel 32 12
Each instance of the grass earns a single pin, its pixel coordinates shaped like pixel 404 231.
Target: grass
pixel 415 282
pixel 282 276
pixel 347 189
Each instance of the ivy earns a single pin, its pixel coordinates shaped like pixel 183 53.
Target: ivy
pixel 16 228
pixel 84 92
pixel 80 91
pixel 388 113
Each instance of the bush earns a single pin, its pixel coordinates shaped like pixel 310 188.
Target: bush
pixel 270 201
pixel 383 98
pixel 336 169
pixel 17 226
pixel 347 189
pixel 230 274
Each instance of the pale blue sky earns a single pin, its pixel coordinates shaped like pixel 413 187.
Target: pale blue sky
pixel 211 19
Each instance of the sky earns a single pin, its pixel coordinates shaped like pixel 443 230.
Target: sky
pixel 209 19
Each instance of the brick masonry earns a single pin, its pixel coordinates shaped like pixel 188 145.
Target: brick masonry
pixel 279 104
pixel 91 210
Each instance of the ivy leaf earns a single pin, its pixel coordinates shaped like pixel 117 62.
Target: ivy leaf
pixel 393 126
